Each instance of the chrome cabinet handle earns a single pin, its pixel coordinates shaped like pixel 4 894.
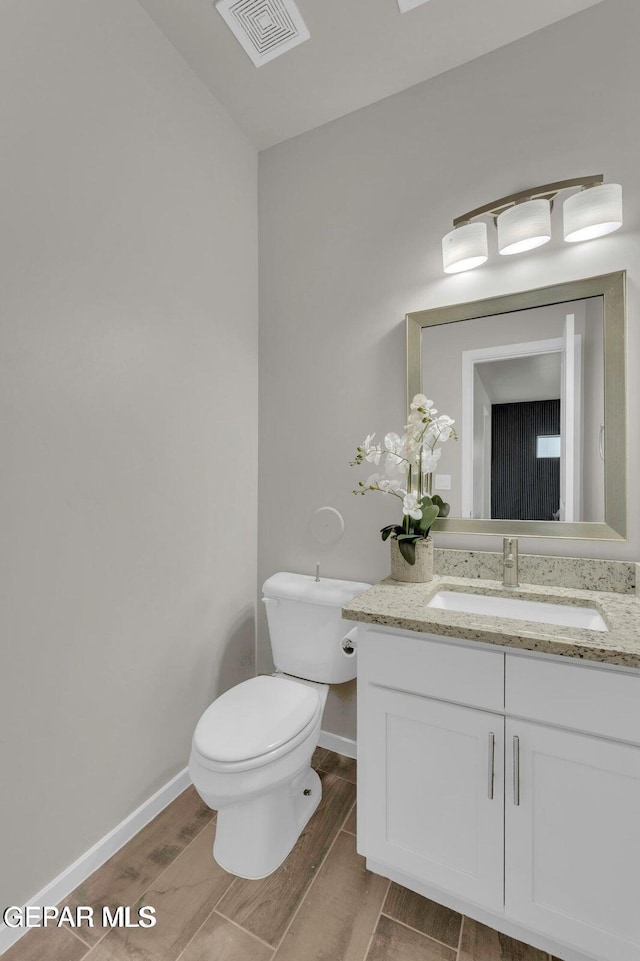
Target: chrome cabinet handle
pixel 516 770
pixel 601 441
pixel 492 753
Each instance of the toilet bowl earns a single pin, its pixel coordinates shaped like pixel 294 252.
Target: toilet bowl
pixel 265 797
pixel 252 748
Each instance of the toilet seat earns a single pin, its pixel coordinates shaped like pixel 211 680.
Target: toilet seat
pixel 256 722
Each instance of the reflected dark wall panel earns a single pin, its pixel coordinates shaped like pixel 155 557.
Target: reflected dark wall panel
pixel 524 486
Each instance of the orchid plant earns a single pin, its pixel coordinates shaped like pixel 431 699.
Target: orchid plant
pixel 409 462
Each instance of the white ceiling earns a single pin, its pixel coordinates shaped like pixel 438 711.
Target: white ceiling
pixel 519 379
pixel 360 51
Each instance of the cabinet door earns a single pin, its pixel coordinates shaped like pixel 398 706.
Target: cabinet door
pixel 572 855
pixel 435 792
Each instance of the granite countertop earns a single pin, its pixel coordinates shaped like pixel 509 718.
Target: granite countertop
pixel 404 606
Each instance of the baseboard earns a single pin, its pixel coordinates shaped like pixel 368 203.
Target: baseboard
pixel 339 744
pixel 91 860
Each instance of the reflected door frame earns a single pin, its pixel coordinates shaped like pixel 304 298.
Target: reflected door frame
pixel 482 355
pixel 571 424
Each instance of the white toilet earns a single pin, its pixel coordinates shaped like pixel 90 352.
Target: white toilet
pixel 251 752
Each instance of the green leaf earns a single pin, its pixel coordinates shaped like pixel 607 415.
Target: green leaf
pixel 442 506
pixel 390 529
pixel 408 549
pixel 429 515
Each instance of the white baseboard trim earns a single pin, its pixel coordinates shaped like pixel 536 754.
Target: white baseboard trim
pixel 91 860
pixel 339 744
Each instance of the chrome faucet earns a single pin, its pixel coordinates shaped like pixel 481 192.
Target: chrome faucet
pixel 510 562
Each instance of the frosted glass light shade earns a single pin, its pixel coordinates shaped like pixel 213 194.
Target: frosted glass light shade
pixel 593 212
pixel 465 247
pixel 525 226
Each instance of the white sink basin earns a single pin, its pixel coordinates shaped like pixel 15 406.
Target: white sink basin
pixel 565 615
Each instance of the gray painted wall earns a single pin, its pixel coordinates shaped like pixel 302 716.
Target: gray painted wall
pixel 351 219
pixel 128 381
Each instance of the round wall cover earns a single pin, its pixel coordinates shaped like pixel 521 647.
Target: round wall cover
pixel 327 525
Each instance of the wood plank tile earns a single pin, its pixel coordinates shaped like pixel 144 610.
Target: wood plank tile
pixel 265 907
pixel 337 918
pixel 221 940
pixel 52 944
pixel 394 942
pixel 184 895
pixel 125 876
pixel 333 763
pixel 350 824
pixel 319 756
pixel 480 943
pixel 425 916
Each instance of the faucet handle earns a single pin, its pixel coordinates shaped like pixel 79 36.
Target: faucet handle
pixel 510 546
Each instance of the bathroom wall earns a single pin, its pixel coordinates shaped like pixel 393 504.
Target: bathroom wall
pixel 351 219
pixel 128 381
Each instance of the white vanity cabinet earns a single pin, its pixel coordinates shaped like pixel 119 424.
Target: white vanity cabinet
pixel 506 785
pixel 441 766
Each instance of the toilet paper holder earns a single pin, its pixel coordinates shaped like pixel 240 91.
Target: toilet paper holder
pixel 349 643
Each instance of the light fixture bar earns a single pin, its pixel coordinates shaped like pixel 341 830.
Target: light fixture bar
pixel 523 220
pixel 545 191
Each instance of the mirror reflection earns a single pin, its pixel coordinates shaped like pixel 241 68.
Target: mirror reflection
pixel 527 391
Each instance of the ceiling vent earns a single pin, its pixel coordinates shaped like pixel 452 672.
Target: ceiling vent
pixel 264 28
pixel 406 5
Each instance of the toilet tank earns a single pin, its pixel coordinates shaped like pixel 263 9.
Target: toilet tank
pixel 306 627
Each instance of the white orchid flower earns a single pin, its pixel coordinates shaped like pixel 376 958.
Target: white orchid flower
pixel 421 400
pixel 389 485
pixel 371 452
pixel 394 464
pixel 393 442
pixel 413 455
pixel 430 460
pixel 416 419
pixel 445 427
pixel 411 506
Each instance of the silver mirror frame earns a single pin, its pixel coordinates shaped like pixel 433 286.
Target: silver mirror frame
pixel 612 288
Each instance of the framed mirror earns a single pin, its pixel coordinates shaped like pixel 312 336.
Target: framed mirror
pixel 536 384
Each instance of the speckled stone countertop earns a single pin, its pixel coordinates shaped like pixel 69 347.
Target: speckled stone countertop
pixel 404 606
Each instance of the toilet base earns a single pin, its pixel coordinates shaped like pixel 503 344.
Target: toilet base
pixel 254 837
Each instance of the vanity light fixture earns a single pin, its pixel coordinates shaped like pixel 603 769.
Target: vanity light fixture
pixel 465 247
pixel 592 213
pixel 523 221
pixel 524 226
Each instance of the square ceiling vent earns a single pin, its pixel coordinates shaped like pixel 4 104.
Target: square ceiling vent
pixel 264 28
pixel 406 5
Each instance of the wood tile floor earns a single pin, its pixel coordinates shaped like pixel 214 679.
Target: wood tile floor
pixel 321 905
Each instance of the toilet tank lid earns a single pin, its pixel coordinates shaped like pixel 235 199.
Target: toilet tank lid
pixel 304 587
